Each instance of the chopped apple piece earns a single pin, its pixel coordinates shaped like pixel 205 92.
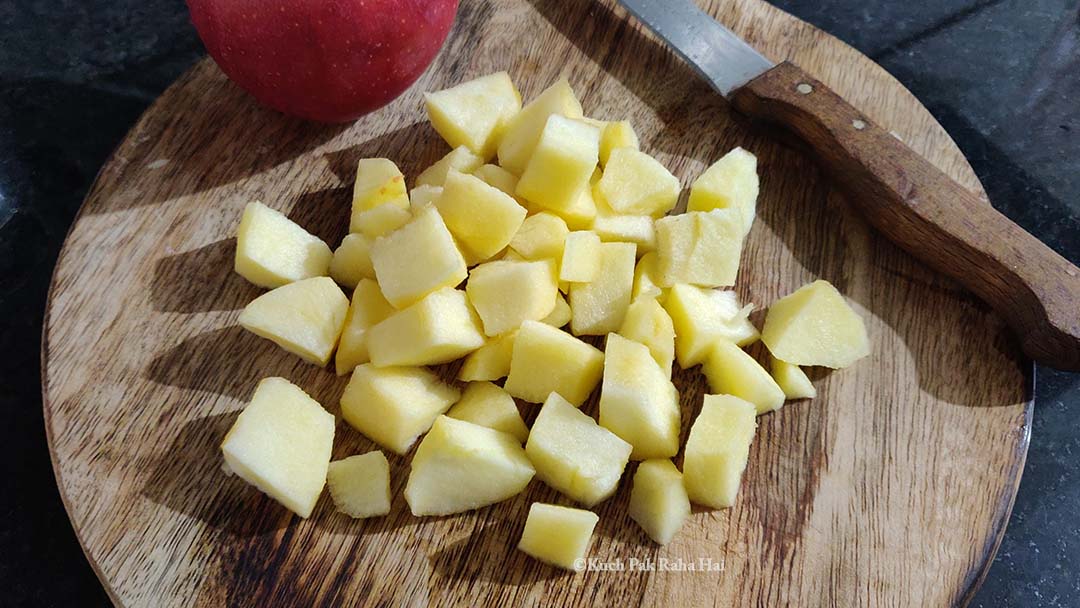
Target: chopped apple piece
pixel 703 316
pixel 616 134
pixel 635 183
pixel 573 454
pixel 352 260
pixel 581 213
pixel 460 466
pixel 439 328
pixel 483 218
pixel 524 129
pixel 489 362
pixel 360 485
pixel 489 405
pixel 560 315
pixel 646 279
pixel 814 325
pixel 541 236
pixel 394 405
pixel 717 450
pixel 547 360
pixel 422 196
pixel 368 308
pixel 700 248
pixel 731 371
pixel 378 182
pixel 272 250
pixel 460 159
pixel 730 183
pixel 658 500
pixel 377 221
pixel 614 227
pixel 474 113
pixel 792 380
pixel 305 317
pixel 599 307
pixel 638 402
pixel 281 444
pixel 417 259
pixel 561 164
pixel 505 294
pixel 648 323
pixel 558 535
pixel 580 257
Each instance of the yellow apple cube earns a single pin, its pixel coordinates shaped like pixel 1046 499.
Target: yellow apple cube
pixel 281 444
pixel 547 360
pixel 647 278
pixel 481 217
pixel 792 380
pixel 305 317
pixel 378 182
pixel 417 259
pixel 496 176
pixel 581 213
pixel 367 309
pixel 599 306
pixel 580 257
pixel 272 250
pixel 560 166
pixel 702 316
pixel 360 485
pixel 381 220
pixel 814 325
pixel 523 131
pixel 352 261
pixel 730 183
pixel 541 236
pixel 658 500
pixel 573 454
pixel 731 371
pixel 558 535
pixel 648 323
pixel 460 159
pixel 474 113
pixel 614 227
pixel 635 183
pixel 717 450
pixel 489 362
pixel 393 406
pixel 422 196
pixel 616 134
pixel 505 294
pixel 638 402
pixel 560 315
pixel 460 466
pixel 439 328
pixel 489 405
pixel 700 248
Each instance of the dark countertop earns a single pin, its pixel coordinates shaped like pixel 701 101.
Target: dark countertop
pixel 1002 76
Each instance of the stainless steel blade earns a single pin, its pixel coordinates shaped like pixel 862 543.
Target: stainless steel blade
pixel 714 51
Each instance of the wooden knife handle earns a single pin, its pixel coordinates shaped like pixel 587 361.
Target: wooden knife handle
pixel 929 214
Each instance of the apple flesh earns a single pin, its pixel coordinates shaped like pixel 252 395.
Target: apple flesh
pixel 324 61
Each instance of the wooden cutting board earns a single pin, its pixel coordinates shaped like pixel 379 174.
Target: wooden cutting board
pixel 892 488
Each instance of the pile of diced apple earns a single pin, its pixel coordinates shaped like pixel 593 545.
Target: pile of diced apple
pixel 540 226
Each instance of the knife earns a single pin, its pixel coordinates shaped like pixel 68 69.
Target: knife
pixel 904 196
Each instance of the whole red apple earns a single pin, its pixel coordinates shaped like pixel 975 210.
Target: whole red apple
pixel 325 60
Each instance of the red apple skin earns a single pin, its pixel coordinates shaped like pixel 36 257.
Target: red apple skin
pixel 324 60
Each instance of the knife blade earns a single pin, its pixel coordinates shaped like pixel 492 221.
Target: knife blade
pixel 904 196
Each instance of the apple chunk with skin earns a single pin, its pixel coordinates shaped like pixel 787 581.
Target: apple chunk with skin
pixel 417 259
pixel 731 371
pixel 638 402
pixel 440 328
pixel 394 405
pixel 546 360
pixel 489 405
pixel 814 325
pixel 474 113
pixel 272 250
pixel 305 318
pixel 460 466
pixel 360 485
pixel 573 454
pixel 280 443
pixel 717 450
pixel 558 535
pixel 658 500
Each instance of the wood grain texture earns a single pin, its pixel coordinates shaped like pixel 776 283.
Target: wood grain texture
pixel 890 489
pixel 928 214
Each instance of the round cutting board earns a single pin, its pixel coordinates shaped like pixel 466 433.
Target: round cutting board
pixel 891 488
